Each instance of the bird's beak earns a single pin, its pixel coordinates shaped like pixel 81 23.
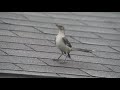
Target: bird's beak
pixel 57 25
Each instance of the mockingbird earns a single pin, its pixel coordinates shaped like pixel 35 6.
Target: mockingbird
pixel 64 45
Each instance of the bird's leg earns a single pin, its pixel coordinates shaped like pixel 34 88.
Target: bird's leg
pixel 60 55
pixel 66 57
pixel 63 61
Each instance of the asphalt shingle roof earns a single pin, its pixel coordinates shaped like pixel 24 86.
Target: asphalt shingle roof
pixel 27 44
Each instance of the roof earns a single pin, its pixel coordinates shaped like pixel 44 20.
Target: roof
pixel 27 44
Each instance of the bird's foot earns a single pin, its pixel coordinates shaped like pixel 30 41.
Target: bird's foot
pixel 55 59
pixel 62 61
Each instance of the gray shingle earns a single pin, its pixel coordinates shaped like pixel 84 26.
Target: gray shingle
pixel 30 13
pixel 35 35
pixel 81 34
pixel 2 53
pixel 102 24
pixel 45 48
pixel 23 60
pixel 63 16
pixel 31 53
pixel 110 36
pixel 96 60
pixel 72 64
pixel 5 32
pixel 34 74
pixel 1 21
pixel 28 23
pixel 72 16
pixel 117 48
pixel 74 76
pixel 11 16
pixel 25 40
pixel 76 16
pixel 98 41
pixel 103 74
pixel 48 30
pixel 117 29
pixel 52 69
pixel 90 23
pixel 18 28
pixel 93 47
pixel 52 20
pixel 9 66
pixel 14 46
pixel 99 19
pixel 91 29
pixel 108 55
pixel 100 14
pixel 114 68
pixel 81 53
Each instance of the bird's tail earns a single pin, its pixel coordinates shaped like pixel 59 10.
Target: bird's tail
pixel 83 50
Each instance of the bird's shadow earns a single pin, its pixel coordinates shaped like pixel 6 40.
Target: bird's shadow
pixel 60 61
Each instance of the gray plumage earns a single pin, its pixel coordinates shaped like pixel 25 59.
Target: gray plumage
pixel 65 40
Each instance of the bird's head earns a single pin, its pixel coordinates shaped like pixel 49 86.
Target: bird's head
pixel 60 27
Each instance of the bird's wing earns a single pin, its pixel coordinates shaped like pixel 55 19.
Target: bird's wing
pixel 65 40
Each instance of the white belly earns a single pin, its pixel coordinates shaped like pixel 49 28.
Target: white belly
pixel 60 44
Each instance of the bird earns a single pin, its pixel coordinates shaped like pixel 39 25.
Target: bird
pixel 63 44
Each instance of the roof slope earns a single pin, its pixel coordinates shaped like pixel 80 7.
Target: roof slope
pixel 27 44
